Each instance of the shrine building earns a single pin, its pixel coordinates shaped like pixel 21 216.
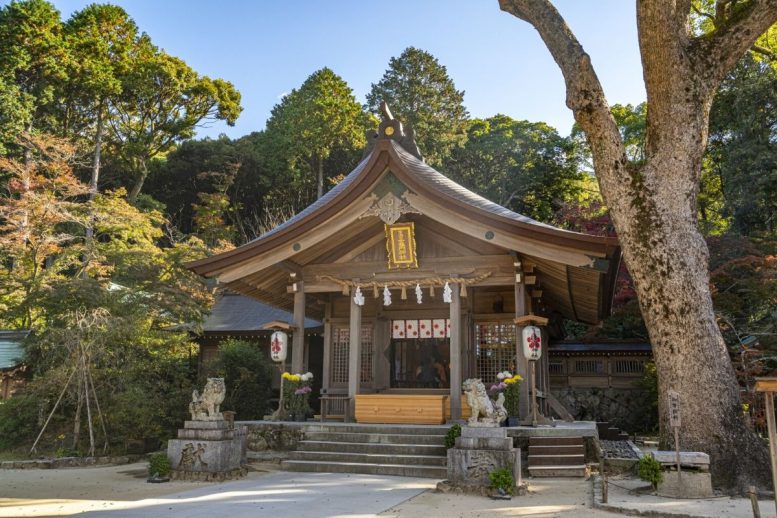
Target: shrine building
pixel 420 284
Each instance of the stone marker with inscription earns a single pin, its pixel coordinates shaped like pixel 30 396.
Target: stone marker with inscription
pixel 208 447
pixel 483 446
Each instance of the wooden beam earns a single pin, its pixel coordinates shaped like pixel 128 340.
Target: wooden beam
pixel 455 355
pixel 528 320
pixel 766 384
pixel 440 266
pixel 298 338
pixel 278 325
pixel 354 355
pixel 521 363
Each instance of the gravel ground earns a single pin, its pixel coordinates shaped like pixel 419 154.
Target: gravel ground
pixel 618 450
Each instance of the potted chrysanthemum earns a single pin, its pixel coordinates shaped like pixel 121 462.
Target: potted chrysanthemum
pixel 508 384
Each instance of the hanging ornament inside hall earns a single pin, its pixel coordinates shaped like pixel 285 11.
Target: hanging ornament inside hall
pixel 419 295
pixel 447 293
pixel 358 297
pixel 386 296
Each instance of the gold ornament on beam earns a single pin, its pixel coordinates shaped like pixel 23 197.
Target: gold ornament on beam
pixel 400 246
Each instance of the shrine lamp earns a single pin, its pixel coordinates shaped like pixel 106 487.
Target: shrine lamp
pixel 532 342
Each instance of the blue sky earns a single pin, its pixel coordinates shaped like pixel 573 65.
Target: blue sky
pixel 267 48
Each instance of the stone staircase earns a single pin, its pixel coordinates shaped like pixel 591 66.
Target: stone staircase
pixel 402 450
pixel 557 457
pixel 608 432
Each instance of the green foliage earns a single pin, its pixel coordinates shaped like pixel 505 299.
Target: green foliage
pixel 420 93
pixel 502 479
pixel 450 437
pixel 520 165
pixel 159 464
pixel 18 421
pixel 33 57
pixel 650 470
pixel 740 168
pixel 311 122
pixel 512 398
pixel 247 374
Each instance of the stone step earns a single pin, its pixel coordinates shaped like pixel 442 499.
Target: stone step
pixel 391 429
pixel 375 438
pixel 577 449
pixel 378 448
pixel 555 441
pixel 558 471
pixel 556 460
pixel 369 458
pixel 366 468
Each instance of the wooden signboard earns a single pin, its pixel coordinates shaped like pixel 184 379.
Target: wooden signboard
pixel 400 246
pixel 674 422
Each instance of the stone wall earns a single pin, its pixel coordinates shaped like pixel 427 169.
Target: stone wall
pixel 631 410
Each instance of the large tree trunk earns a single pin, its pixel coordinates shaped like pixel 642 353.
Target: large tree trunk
pixel 653 206
pixel 319 176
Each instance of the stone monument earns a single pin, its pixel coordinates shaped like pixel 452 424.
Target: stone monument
pixel 693 480
pixel 208 447
pixel 483 446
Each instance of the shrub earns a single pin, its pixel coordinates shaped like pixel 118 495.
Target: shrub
pixel 247 375
pixel 450 437
pixel 18 421
pixel 159 464
pixel 502 479
pixel 650 470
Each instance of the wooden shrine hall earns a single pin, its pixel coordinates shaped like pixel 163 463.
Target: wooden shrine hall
pixel 420 284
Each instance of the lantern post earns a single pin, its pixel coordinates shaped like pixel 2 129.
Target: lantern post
pixel 532 351
pixel 279 349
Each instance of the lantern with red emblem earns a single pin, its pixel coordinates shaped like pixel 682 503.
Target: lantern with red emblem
pixel 532 342
pixel 278 346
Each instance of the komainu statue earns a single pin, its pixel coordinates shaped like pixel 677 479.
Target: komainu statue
pixel 205 407
pixel 484 411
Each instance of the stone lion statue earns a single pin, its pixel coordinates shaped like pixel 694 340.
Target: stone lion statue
pixel 484 411
pixel 205 407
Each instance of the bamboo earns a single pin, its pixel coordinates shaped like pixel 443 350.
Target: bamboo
pixel 54 409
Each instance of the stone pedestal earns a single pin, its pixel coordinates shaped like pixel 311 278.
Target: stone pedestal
pixel 208 450
pixel 688 484
pixel 479 451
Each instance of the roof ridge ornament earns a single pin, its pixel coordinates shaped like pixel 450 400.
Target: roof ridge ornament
pixel 391 128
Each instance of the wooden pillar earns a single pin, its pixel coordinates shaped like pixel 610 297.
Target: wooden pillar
pixel 354 357
pixel 772 430
pixel 455 345
pixel 521 363
pixel 327 367
pixel 298 338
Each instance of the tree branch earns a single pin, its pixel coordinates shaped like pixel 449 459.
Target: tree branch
pixel 585 96
pixel 715 54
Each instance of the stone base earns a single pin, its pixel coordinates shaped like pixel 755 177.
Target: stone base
pixel 446 486
pixel 484 438
pixel 689 484
pixel 207 447
pixel 205 476
pixel 472 467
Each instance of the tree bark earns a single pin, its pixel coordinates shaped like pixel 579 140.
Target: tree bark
pixel 319 177
pixel 653 206
pixel 132 197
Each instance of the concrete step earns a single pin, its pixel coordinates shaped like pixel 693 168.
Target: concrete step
pixel 391 429
pixel 369 458
pixel 375 438
pixel 378 448
pixel 577 449
pixel 558 471
pixel 555 441
pixel 556 460
pixel 365 468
